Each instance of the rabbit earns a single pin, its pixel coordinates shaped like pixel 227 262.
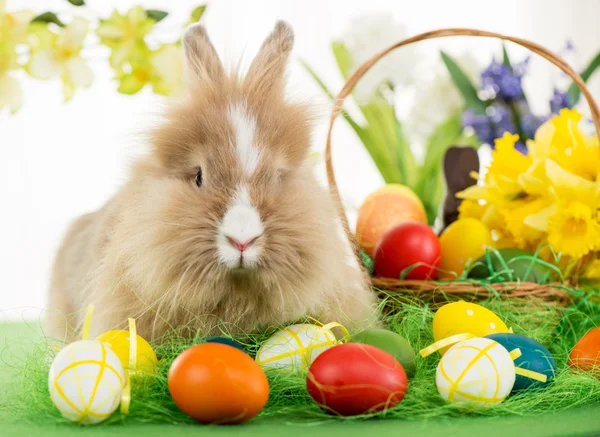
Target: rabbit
pixel 222 225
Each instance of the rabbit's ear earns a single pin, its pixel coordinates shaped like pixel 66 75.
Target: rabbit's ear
pixel 267 71
pixel 201 59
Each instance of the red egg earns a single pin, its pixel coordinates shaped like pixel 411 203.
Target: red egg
pixel 354 378
pixel 586 353
pixel 406 245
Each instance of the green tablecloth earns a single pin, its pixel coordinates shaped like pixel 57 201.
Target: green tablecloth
pixel 584 421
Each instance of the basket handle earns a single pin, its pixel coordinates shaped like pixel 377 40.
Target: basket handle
pixel 441 33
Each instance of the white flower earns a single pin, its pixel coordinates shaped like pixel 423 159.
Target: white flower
pixel 436 98
pixel 62 59
pixel 366 36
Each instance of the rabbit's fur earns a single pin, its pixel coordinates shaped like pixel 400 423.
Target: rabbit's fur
pixel 167 252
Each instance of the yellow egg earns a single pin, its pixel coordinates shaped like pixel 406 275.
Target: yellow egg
pixel 465 239
pixel 119 342
pixel 465 317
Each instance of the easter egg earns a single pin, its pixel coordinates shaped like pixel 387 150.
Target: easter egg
pixel 226 341
pixel 534 357
pixel 118 341
pixel 353 378
pixel 295 347
pixel 465 239
pixel 585 355
pixel 384 208
pixel 216 383
pixel 85 381
pixel 519 263
pixel 465 317
pixel 478 371
pixel 407 245
pixel 392 343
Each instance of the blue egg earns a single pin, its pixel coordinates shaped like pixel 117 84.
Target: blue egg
pixel 226 341
pixel 534 357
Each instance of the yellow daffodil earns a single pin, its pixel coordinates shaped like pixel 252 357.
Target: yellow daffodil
pixel 562 140
pixel 124 34
pixel 549 197
pixel 501 182
pixel 62 59
pixel 13 31
pixel 574 229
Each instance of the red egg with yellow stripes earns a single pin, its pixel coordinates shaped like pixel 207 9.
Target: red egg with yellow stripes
pixel 353 378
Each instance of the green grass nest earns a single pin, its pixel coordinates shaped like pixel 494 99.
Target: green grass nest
pixel 557 328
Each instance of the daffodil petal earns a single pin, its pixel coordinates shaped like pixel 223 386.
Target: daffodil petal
pixel 2 6
pixel 539 220
pixel 10 94
pixel 44 65
pixel 561 178
pixel 540 147
pixel 79 73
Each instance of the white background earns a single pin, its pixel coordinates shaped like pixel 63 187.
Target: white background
pixel 58 161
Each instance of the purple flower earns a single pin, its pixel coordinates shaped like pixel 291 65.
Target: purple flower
pixel 502 119
pixel 559 101
pixel 530 123
pixel 521 147
pixel 504 81
pixel 481 124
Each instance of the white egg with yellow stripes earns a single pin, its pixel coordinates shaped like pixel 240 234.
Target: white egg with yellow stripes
pixel 295 347
pixel 86 380
pixel 478 371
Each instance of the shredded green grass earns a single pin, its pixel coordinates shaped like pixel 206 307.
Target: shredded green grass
pixel 557 328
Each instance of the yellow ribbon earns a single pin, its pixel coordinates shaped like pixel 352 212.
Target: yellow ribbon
pixel 531 374
pixel 445 342
pixel 87 322
pixel 323 329
pixel 126 395
pixel 126 392
pixel 515 353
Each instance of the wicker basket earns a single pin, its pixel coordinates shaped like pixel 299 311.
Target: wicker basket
pixel 433 290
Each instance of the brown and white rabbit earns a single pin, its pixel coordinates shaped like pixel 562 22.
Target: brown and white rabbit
pixel 223 221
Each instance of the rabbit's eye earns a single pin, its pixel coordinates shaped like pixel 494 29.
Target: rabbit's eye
pixel 199 178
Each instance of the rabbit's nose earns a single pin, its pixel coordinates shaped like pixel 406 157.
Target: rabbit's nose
pixel 241 245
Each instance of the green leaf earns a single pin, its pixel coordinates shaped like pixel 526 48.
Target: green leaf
pixel 505 58
pixel 77 2
pixel 342 57
pixel 48 17
pixel 197 13
pixel 574 91
pixel 405 160
pixel 156 15
pixel 367 136
pixel 464 85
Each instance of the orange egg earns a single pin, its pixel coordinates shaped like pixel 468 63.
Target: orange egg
pixel 383 209
pixel 216 383
pixel 586 352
